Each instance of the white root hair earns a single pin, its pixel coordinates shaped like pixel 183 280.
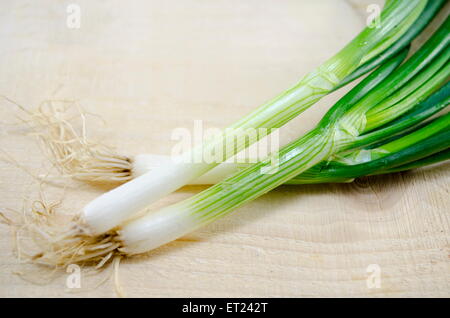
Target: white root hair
pixel 53 241
pixel 43 236
pixel 60 126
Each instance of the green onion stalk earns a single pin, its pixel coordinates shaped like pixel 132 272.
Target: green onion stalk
pixel 438 157
pixel 422 21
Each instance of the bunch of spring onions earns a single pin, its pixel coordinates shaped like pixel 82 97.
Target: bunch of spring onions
pixel 381 125
pixel 116 206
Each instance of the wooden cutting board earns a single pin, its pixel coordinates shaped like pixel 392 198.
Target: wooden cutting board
pixel 148 67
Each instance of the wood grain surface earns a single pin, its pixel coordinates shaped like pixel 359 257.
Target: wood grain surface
pixel 148 67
